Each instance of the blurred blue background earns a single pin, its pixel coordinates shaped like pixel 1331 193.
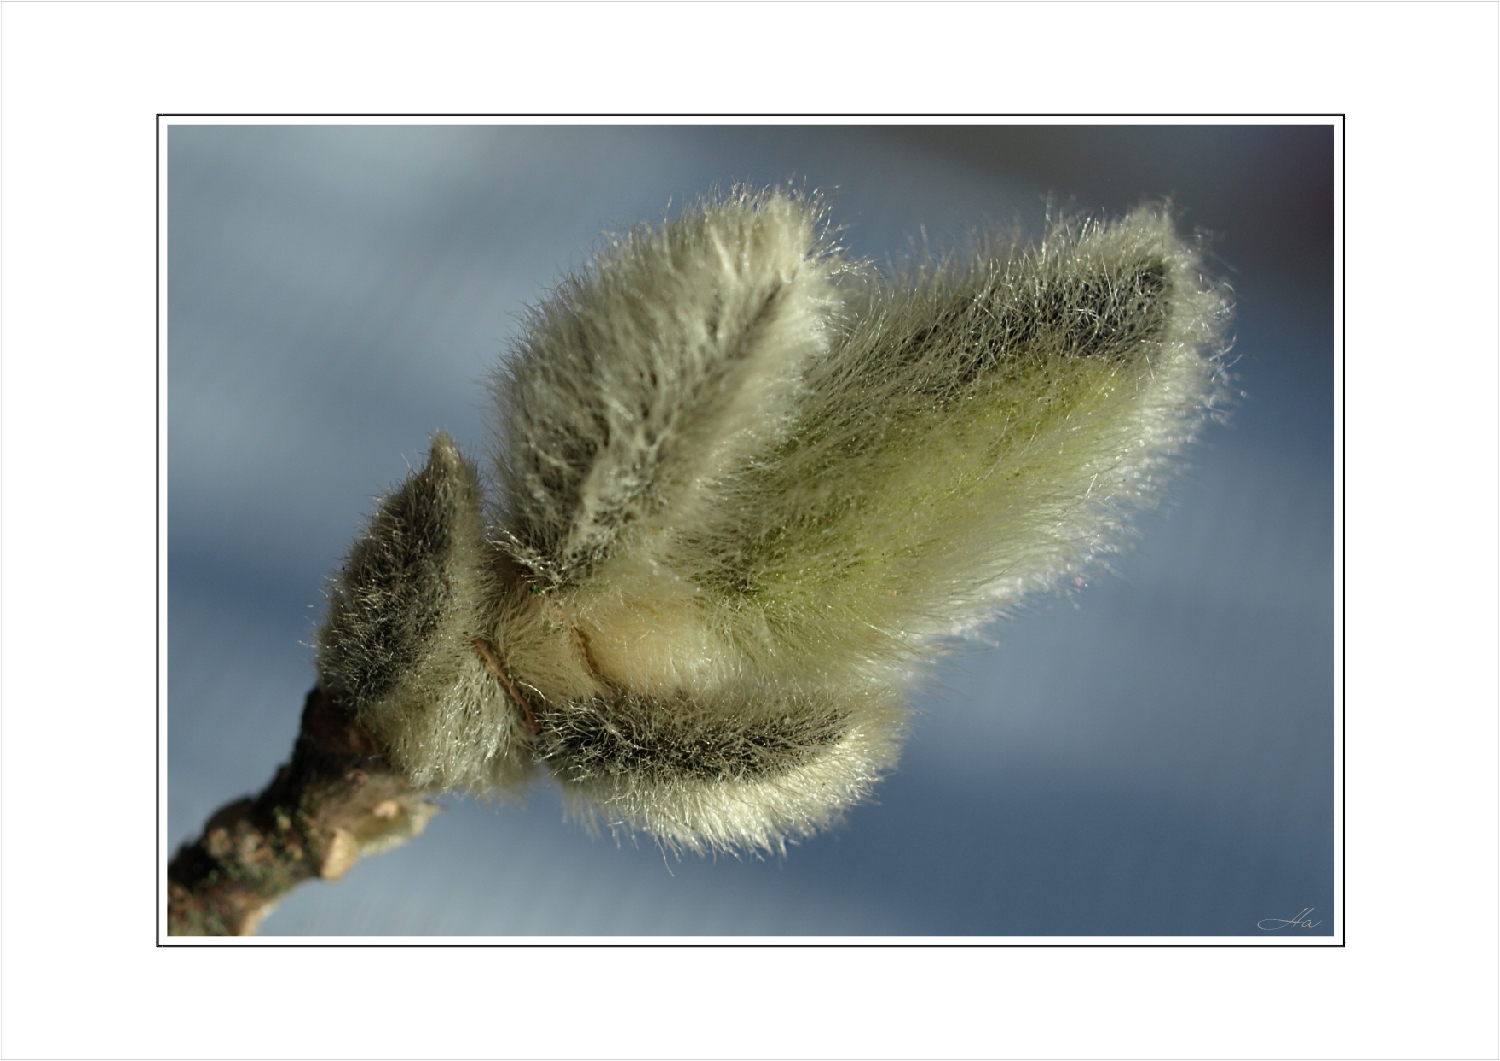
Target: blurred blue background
pixel 1151 755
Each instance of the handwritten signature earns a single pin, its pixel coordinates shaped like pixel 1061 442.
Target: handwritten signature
pixel 1274 924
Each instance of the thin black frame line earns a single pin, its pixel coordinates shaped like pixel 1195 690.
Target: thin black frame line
pixel 1342 119
pixel 157 566
pixel 745 114
pixel 1331 944
pixel 1344 524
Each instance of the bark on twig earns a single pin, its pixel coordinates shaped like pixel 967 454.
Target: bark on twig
pixel 337 799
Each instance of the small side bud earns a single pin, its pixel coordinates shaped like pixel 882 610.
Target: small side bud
pixel 398 641
pixel 397 585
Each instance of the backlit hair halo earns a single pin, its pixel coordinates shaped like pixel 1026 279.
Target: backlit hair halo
pixel 746 487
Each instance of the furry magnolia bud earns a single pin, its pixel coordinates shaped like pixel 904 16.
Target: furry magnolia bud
pixel 746 488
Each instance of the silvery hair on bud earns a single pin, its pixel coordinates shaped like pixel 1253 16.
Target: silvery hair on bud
pixel 746 488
